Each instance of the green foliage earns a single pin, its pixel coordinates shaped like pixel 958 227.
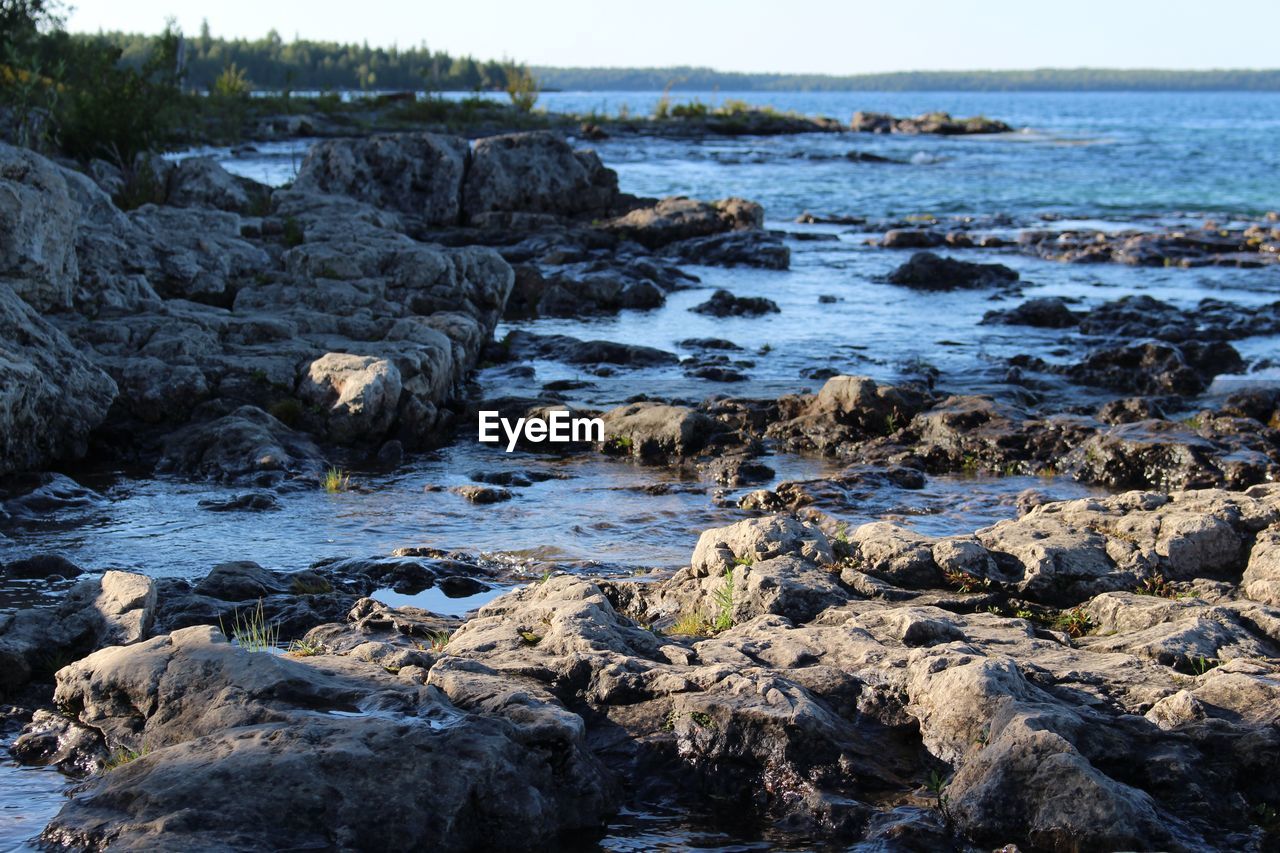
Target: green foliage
pixel 1158 586
pixel 272 63
pixel 529 638
pixel 292 233
pixel 437 640
pixel 521 87
pixel 231 83
pixel 1200 665
pixel 251 632
pixel 123 756
pixel 335 481
pixel 691 623
pixel 73 93
pixel 1075 622
pixel 722 598
pixel 703 719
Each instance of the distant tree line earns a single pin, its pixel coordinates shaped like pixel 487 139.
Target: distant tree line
pixel 1040 79
pixel 275 64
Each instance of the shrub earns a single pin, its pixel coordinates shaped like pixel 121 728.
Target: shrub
pixel 522 87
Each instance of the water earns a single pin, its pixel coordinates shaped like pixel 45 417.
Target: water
pixel 1109 160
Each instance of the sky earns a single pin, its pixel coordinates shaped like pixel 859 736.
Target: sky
pixel 789 36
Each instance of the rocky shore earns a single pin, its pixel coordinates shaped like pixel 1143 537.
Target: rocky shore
pixel 1098 673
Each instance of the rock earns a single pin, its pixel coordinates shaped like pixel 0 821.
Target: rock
pixel 239 581
pixel 724 304
pixel 42 566
pixel 38 220
pixel 1046 312
pixel 248 502
pixel 894 554
pixel 482 494
pixel 51 395
pixel 127 603
pixel 757 540
pixel 536 172
pixel 753 248
pixel 212 707
pixel 910 238
pixel 654 431
pixel 416 173
pixel 927 271
pixel 1261 580
pixel 678 218
pixel 1156 368
pixel 242 445
pixel 201 182
pixel 931 123
pixel 114 609
pixel 1167 455
pixel 527 345
pixel 359 395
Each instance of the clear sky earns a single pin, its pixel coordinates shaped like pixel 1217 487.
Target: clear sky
pixel 815 36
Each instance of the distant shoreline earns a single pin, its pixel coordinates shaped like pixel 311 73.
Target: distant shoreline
pixel 682 79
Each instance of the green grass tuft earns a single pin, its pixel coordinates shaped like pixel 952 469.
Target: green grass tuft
pixel 251 631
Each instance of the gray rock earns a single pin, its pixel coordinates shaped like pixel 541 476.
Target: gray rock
pixel 51 395
pixel 416 173
pixel 209 708
pixel 655 431
pixel 38 219
pixel 536 172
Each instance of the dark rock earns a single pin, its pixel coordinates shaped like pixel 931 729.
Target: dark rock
pixel 927 271
pixel 724 304
pixel 248 502
pixel 1050 312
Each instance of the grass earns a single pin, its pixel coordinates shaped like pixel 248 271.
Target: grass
pixel 336 481
pixel 1200 665
pixel 305 648
pixel 690 623
pixel 121 757
pixel 437 640
pixel 287 411
pixel 251 632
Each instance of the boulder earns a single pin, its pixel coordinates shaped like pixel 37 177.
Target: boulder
pixel 51 395
pixel 242 445
pixel 536 172
pixel 201 182
pixel 678 218
pixel 1261 580
pixel 359 395
pixel 415 173
pixel 38 221
pixel 223 736
pixel 654 431
pixel 927 271
pixel 759 540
